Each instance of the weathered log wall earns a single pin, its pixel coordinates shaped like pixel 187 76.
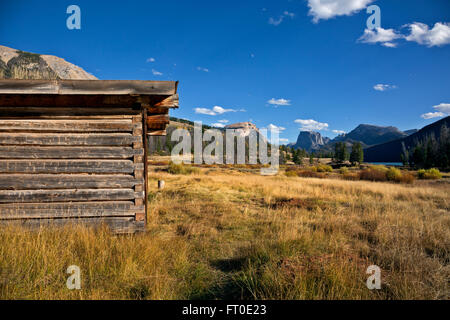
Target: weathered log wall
pixel 86 165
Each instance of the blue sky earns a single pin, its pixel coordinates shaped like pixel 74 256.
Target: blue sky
pixel 298 64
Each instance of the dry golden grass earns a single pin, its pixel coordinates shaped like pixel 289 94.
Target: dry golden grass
pixel 221 233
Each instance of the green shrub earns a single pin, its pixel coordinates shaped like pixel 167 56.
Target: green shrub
pixel 323 168
pixel 429 174
pixel 290 173
pixel 343 170
pixel 394 174
pixel 181 169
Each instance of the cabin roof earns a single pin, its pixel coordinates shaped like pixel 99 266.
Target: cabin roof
pixel 88 93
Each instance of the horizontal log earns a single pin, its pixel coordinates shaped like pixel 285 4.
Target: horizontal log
pixel 118 225
pixel 68 210
pixel 68 139
pixel 30 152
pixel 69 166
pixel 110 125
pixel 158 119
pixel 157 133
pixel 157 110
pixel 88 87
pixel 66 181
pixel 169 102
pixel 156 126
pixel 15 196
pixel 62 112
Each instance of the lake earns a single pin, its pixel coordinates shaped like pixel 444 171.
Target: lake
pixel 396 164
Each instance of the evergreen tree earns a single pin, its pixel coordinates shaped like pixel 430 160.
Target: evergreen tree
pixel 357 154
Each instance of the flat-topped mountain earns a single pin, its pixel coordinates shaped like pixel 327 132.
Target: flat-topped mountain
pixel 16 64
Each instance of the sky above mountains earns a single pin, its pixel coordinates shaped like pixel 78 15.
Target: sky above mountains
pixel 295 65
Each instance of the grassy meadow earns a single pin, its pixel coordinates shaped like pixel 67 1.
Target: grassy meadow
pixel 223 233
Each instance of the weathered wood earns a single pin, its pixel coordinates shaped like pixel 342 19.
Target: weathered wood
pixel 157 133
pixel 52 112
pixel 118 225
pixel 110 125
pixel 16 196
pixel 69 166
pixel 88 87
pixel 68 209
pixel 66 181
pixel 169 102
pixel 158 119
pixel 30 152
pixel 68 139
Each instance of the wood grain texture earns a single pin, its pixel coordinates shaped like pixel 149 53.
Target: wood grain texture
pixel 68 209
pixel 18 196
pixel 68 139
pixel 88 87
pixel 118 225
pixel 68 166
pixel 66 181
pixel 111 125
pixel 30 152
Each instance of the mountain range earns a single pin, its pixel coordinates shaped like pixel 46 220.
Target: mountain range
pixel 368 135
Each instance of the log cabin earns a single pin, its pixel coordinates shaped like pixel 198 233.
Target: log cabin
pixel 75 151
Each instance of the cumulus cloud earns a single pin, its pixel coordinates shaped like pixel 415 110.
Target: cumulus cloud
pixel 216 110
pixel 439 35
pixel 442 110
pixel 380 35
pixel 273 127
pixel 327 9
pixel 151 60
pixel 338 131
pixel 202 69
pixel 283 140
pixel 279 20
pixel 223 121
pixel 156 73
pixel 311 125
pixel 443 107
pixel 431 115
pixel 384 87
pixel 279 102
pixel 218 125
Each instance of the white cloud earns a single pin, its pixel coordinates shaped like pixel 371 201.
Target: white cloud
pixel 326 9
pixel 216 110
pixel 151 60
pixel 279 102
pixel 310 125
pixel 156 73
pixel 437 36
pixel 283 140
pixel 202 69
pixel 277 22
pixel 223 121
pixel 442 110
pixel 380 35
pixel 338 131
pixel 443 107
pixel 218 125
pixel 275 128
pixel 389 44
pixel 384 87
pixel 431 115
